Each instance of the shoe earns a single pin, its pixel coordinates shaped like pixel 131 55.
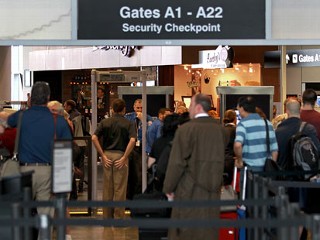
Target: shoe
pixel 68 237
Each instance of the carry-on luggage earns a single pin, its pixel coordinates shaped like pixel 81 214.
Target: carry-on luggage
pixel 230 233
pixel 145 213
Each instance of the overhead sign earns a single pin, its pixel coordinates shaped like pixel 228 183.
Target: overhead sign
pixel 294 58
pixel 167 19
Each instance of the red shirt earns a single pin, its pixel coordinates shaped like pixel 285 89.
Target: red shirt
pixel 7 139
pixel 312 117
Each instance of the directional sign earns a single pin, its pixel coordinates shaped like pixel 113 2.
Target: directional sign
pixel 169 19
pixel 294 58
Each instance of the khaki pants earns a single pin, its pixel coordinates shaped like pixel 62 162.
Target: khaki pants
pixel 115 185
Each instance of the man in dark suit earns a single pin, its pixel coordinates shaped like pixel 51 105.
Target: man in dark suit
pixel 195 168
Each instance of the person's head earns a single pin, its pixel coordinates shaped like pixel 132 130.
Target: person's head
pixel 274 111
pixel 56 107
pixel 100 92
pixel 180 103
pixel 289 99
pixel 170 125
pixel 40 94
pixel 200 103
pixel 181 109
pixel 163 112
pixel 309 97
pixel 69 105
pixel 261 113
pixel 213 113
pixel 230 116
pixel 137 106
pixel 246 105
pixel 119 106
pixel 293 108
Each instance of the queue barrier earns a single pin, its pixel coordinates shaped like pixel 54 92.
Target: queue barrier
pixel 292 221
pixel 260 223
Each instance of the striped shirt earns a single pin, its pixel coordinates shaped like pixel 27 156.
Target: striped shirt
pixel 251 133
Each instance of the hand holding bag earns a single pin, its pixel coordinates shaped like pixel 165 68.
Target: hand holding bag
pixel 11 166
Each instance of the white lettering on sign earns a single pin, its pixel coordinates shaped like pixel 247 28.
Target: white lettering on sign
pixel 306 58
pixel 126 51
pixel 127 12
pixel 170 12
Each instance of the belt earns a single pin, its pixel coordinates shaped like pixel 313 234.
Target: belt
pixel 35 164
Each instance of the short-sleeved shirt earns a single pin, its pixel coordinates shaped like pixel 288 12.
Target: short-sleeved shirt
pixel 116 132
pixel 38 132
pixel 251 133
pixel 132 116
pixel 312 117
pixel 153 133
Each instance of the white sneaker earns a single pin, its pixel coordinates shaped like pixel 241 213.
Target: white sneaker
pixel 68 237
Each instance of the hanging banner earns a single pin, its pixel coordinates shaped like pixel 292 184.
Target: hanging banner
pixel 167 19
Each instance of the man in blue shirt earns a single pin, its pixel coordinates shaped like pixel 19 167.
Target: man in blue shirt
pixel 135 163
pixel 250 144
pixel 155 130
pixel 39 129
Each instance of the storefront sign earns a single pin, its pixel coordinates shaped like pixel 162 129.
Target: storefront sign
pixel 220 58
pixel 167 19
pixel 127 51
pixel 294 58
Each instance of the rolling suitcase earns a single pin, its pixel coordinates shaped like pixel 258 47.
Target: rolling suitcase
pixel 230 233
pixel 151 194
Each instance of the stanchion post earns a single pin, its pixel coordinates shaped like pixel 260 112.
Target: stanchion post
pixel 44 227
pixel 315 229
pixel 282 213
pixel 61 212
pixel 27 213
pixel 16 216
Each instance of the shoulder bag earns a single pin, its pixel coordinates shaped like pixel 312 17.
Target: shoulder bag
pixel 270 164
pixel 228 192
pixel 11 166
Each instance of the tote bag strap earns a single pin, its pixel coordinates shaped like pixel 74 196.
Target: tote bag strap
pixel 17 140
pixel 267 138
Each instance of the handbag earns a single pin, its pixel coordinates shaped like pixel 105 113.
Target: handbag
pixel 11 166
pixel 228 192
pixel 270 164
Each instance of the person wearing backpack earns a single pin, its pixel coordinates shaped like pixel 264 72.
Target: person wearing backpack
pixel 290 127
pixel 286 133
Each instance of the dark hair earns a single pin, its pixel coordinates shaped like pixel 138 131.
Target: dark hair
pixel 183 118
pixel 170 125
pixel 229 116
pixel 102 89
pixel 71 103
pixel 248 103
pixel 261 113
pixel 309 96
pixel 40 93
pixel 118 105
pixel 204 101
pixel 163 110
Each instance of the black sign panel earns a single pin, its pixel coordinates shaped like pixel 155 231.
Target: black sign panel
pixel 294 58
pixel 171 19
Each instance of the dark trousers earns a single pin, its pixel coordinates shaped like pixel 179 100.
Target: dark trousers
pixel 79 163
pixel 135 173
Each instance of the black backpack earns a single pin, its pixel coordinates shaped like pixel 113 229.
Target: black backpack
pixel 304 154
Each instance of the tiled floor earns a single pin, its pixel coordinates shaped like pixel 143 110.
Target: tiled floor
pixel 99 233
